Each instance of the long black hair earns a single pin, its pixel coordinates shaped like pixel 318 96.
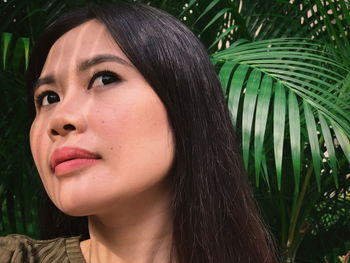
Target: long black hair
pixel 215 216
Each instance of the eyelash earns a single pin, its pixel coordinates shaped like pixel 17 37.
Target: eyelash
pixel 115 76
pixel 39 98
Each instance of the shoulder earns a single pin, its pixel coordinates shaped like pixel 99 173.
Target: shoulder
pixel 20 248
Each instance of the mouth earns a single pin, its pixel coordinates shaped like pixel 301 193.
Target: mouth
pixel 68 159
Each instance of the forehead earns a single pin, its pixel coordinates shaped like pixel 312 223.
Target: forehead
pixel 80 43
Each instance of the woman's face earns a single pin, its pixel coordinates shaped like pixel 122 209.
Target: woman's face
pixel 101 134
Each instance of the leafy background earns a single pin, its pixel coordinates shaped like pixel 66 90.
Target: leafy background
pixel 285 71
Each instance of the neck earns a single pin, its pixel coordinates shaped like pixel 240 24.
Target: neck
pixel 137 232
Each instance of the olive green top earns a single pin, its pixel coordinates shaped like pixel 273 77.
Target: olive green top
pixel 22 249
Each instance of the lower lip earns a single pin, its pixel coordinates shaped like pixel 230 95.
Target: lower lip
pixel 73 165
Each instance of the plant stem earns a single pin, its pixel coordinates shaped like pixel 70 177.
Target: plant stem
pixel 291 247
pixel 283 219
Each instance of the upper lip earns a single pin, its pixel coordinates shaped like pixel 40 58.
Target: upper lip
pixel 63 154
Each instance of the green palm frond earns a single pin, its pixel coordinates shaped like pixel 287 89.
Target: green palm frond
pixel 18 210
pixel 17 53
pixel 293 82
pixel 215 21
pixel 327 20
pixel 262 17
pixel 5 42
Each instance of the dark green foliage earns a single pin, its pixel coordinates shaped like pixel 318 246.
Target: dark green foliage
pixel 19 181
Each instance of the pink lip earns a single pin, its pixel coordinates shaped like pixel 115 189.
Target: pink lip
pixel 68 159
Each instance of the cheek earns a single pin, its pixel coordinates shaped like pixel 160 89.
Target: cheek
pixel 136 133
pixel 33 137
pixel 37 143
pixel 130 117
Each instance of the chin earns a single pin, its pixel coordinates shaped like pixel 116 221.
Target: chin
pixel 74 207
pixel 74 212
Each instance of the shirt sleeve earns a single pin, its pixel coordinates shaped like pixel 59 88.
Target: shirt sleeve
pixel 10 250
pixel 19 249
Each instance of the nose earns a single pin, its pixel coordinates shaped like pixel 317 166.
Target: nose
pixel 66 119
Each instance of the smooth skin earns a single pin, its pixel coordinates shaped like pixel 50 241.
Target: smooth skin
pixel 126 193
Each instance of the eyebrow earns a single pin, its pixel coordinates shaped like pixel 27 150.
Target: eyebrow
pixel 83 66
pixel 86 64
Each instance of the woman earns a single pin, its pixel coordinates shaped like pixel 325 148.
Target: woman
pixel 131 130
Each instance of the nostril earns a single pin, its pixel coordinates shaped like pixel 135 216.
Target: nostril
pixel 53 132
pixel 69 127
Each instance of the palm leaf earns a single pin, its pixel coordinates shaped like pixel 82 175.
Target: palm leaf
pixel 262 109
pixel 215 22
pixel 19 54
pixel 278 128
pixel 313 140
pixel 5 43
pixel 310 75
pixel 294 126
pixel 250 96
pixel 215 18
pixel 235 88
pixel 328 20
pixel 330 147
pixel 222 36
pixel 207 10
pixel 187 7
pixel 343 139
pixel 263 16
pixel 225 74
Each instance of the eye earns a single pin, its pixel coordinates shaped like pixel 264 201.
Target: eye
pixel 46 98
pixel 103 78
